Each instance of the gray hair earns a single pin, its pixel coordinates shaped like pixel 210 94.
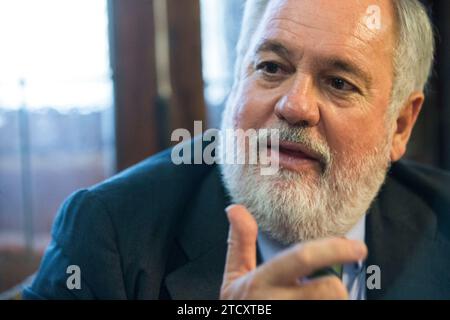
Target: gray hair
pixel 413 54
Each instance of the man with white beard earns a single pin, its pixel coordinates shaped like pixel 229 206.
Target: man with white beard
pixel 344 89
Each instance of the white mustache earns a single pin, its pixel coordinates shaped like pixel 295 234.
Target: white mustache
pixel 302 136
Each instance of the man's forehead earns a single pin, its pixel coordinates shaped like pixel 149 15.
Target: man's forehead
pixel 326 29
pixel 363 20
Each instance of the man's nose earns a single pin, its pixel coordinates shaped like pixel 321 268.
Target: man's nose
pixel 299 106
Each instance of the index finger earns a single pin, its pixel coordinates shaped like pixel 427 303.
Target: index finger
pixel 304 259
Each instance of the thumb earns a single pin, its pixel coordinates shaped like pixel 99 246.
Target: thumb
pixel 241 254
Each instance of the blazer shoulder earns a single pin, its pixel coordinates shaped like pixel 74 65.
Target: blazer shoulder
pixel 153 170
pixel 430 185
pixel 150 193
pixel 83 237
pixel 156 181
pixel 423 178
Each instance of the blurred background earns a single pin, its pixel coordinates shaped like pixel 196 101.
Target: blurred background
pixel 90 87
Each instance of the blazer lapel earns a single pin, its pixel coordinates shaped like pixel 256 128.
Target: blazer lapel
pixel 204 240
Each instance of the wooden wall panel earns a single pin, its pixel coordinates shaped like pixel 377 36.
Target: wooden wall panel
pixel 187 101
pixel 133 64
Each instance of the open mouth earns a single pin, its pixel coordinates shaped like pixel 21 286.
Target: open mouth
pixel 294 150
pixel 296 157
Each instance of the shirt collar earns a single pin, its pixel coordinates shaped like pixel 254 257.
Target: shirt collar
pixel 270 247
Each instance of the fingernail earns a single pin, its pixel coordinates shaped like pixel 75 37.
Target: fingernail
pixel 227 209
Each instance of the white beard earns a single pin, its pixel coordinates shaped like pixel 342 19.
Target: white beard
pixel 292 207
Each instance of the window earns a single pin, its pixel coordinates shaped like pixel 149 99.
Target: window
pixel 56 125
pixel 221 23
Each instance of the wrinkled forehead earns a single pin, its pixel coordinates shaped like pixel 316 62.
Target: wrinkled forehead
pixel 356 23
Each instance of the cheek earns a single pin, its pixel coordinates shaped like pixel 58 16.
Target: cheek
pixel 253 108
pixel 354 134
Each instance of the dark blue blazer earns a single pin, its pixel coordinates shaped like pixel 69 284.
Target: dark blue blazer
pixel 158 231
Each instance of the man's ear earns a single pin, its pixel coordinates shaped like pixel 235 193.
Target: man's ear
pixel 404 124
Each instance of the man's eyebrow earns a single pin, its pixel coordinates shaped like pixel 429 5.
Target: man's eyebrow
pixel 275 47
pixel 347 66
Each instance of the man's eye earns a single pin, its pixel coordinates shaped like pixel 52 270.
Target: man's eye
pixel 341 84
pixel 269 67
